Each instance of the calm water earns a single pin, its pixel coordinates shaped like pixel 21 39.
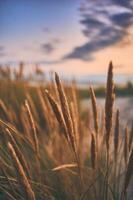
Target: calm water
pixel 124 104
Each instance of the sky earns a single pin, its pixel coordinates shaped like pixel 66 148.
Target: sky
pixel 72 37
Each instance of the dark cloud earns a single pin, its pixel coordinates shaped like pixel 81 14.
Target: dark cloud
pixel 50 47
pixel 104 23
pixel 47 48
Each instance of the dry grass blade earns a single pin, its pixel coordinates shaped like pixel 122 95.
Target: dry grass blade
pixel 109 104
pixel 32 106
pixel 129 172
pixel 65 111
pixel 75 123
pixel 94 107
pixel 5 110
pixel 65 166
pixel 23 181
pixel 93 151
pixel 131 138
pixel 75 98
pixel 57 112
pixel 25 123
pixel 18 152
pixel 35 139
pixel 116 135
pixel 126 146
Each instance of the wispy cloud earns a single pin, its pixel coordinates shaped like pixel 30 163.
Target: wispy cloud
pixel 49 47
pixel 104 23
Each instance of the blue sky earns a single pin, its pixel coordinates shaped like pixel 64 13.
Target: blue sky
pixel 25 21
pixel 69 36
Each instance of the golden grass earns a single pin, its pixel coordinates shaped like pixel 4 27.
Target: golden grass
pixel 21 176
pixel 48 149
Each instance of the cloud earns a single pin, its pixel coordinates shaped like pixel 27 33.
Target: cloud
pixel 104 23
pixel 47 48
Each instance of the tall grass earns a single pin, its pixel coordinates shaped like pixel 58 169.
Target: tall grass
pixel 48 150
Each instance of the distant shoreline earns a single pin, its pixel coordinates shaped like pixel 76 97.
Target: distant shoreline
pixel 100 92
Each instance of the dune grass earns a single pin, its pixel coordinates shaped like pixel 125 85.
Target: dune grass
pixel 49 151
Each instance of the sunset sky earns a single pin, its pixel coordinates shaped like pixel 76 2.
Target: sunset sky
pixel 73 37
